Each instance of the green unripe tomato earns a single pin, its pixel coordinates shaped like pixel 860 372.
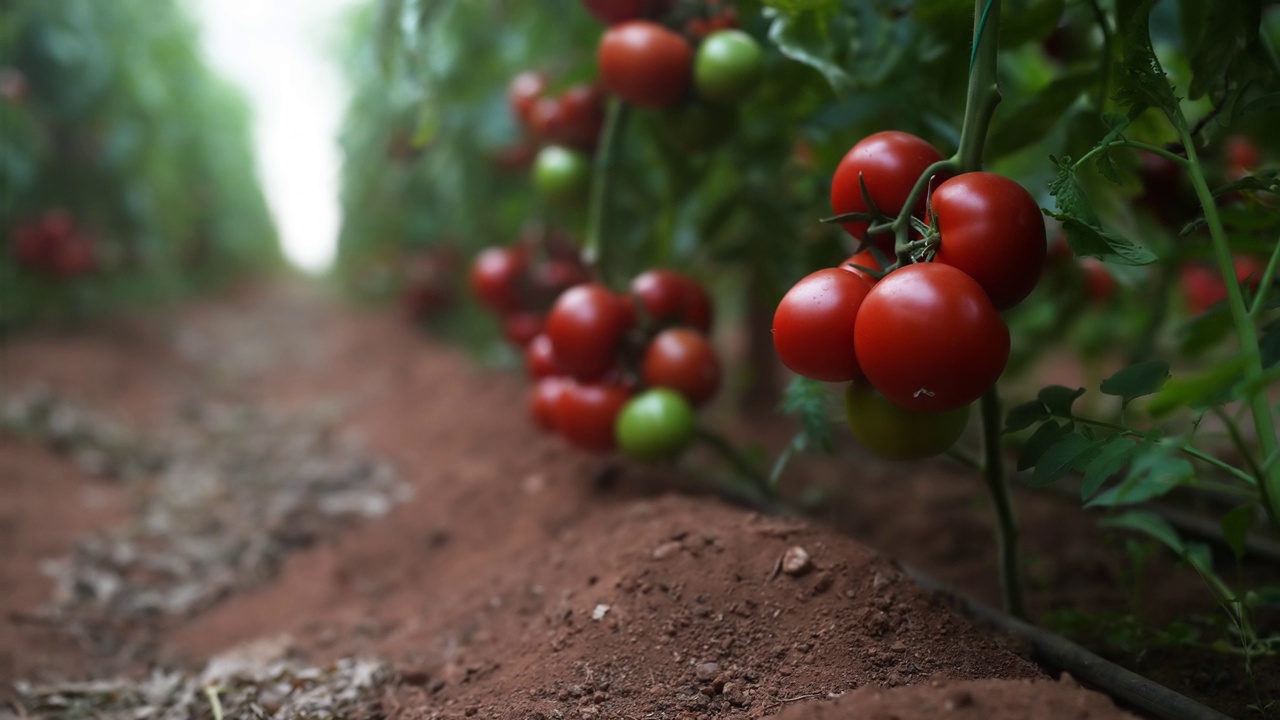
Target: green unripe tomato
pixel 561 174
pixel 655 425
pixel 728 66
pixel 895 433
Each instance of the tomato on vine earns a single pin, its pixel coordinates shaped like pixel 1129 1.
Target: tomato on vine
pixel 645 64
pixel 889 163
pixel 991 228
pixel 585 415
pixel 561 173
pixel 523 91
pixel 728 66
pixel 813 327
pixel 929 339
pixel 585 326
pixel 543 399
pixel 895 433
pixel 683 360
pixel 655 425
pixel 496 275
pixel 671 297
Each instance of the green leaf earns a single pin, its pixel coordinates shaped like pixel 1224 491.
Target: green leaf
pixel 1111 456
pixel 808 399
pixel 1085 236
pixel 1153 473
pixel 1235 528
pixel 1058 399
pixel 811 34
pixel 1060 458
pixel 1138 380
pixel 1204 389
pixel 1025 415
pixel 1040 440
pixel 1142 82
pixel 1215 34
pixel 1270 101
pixel 1261 181
pixel 1149 524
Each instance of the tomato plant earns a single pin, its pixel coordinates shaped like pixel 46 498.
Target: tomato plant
pixel 888 163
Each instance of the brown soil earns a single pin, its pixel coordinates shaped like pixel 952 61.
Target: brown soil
pixel 522 579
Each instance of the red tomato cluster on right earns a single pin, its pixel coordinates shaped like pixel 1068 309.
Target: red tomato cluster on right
pixel 926 336
pixel 53 245
pixel 600 348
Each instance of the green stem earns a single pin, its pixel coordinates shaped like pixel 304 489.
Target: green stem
pixel 1009 563
pixel 1186 449
pixel 1153 149
pixel 1264 285
pixel 1104 89
pixel 595 250
pixel 983 94
pixel 737 460
pixel 1268 485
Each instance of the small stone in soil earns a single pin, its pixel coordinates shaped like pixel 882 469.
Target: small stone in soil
pixel 795 561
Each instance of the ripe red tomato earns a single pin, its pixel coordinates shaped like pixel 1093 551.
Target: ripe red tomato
pixel 673 298
pixel 862 259
pixel 612 12
pixel 540 358
pixel 895 433
pixel 929 339
pixel 546 120
pixel 496 277
pixel 520 328
pixel 991 228
pixel 585 414
pixel 1242 155
pixel 1204 287
pixel 645 64
pixel 813 327
pixel 543 399
pixel 523 91
pixel 683 360
pixel 581 115
pixel 586 325
pixel 889 162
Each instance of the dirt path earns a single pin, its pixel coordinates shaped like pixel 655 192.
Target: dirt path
pixel 310 484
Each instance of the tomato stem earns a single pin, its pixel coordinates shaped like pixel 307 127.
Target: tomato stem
pixel 730 454
pixel 595 250
pixel 1246 332
pixel 1007 557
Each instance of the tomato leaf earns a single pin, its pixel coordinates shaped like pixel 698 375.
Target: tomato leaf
pixel 1153 473
pixel 1040 440
pixel 1058 399
pixel 1204 389
pixel 1025 415
pixel 1149 524
pixel 1138 380
pixel 807 399
pixel 812 34
pixel 1058 459
pixel 1261 181
pixel 1142 82
pixel 1110 458
pixel 1085 236
pixel 1235 528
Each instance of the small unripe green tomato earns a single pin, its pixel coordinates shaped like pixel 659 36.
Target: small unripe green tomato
pixel 655 425
pixel 728 66
pixel 561 174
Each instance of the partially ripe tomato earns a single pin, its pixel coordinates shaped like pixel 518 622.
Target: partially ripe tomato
pixel 645 64
pixel 540 358
pixel 929 339
pixel 889 162
pixel 656 425
pixel 670 297
pixel 561 174
pixel 523 91
pixel 585 415
pixel 728 66
pixel 683 360
pixel 612 12
pixel 586 325
pixel 496 276
pixel 895 433
pixel 813 325
pixel 991 228
pixel 543 399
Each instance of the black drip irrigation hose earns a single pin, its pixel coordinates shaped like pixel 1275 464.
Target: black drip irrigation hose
pixel 1058 653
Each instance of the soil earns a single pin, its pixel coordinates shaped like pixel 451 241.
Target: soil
pixel 515 577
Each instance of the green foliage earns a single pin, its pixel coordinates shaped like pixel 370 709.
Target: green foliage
pixel 126 129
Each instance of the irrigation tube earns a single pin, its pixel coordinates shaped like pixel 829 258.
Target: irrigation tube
pixel 1061 654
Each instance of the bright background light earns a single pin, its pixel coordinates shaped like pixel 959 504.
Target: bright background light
pixel 275 51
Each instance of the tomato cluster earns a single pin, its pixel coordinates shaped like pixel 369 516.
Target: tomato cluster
pixel 519 282
pixel 566 127
pixel 625 370
pixel 922 341
pixel 53 245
